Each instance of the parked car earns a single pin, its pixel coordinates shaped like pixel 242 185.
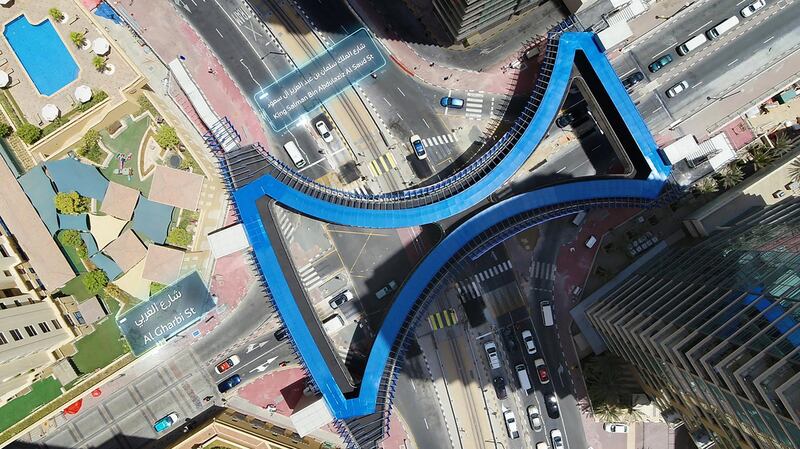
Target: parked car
pixel 386 290
pixel 565 120
pixel 551 404
pixel 534 418
pixel 227 364
pixel 527 337
pixel 632 80
pixel 659 63
pixel 676 89
pixel 281 334
pixel 419 148
pixel 500 387
pixel 165 422
pixel 542 445
pixel 340 299
pixel 615 427
pixel 751 9
pixel 229 383
pixel 323 130
pixel 452 102
pixel 541 370
pixel 511 424
pixel 491 353
pixel 555 437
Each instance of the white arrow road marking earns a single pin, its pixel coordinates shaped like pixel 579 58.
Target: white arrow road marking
pixel 263 367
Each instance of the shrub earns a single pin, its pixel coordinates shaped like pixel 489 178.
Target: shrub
pixel 167 138
pixel 90 139
pixel 5 129
pixel 179 237
pixel 99 62
pixel 29 133
pixel 71 203
pixel 77 38
pixel 95 281
pixel 70 237
pixel 56 14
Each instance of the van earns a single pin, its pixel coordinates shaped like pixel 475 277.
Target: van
pixel 722 27
pixel 294 154
pixel 691 44
pixel 578 220
pixel 524 381
pixel 333 323
pixel 591 241
pixel 547 313
pixel 532 53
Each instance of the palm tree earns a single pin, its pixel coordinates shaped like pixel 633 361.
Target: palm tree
pixel 730 176
pixel 706 185
pixel 99 63
pixel 794 170
pixel 761 156
pixel 78 38
pixel 56 14
pixel 781 145
pixel 609 412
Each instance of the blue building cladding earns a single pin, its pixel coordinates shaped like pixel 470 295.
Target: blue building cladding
pixel 602 192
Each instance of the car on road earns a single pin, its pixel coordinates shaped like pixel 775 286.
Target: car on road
pixel 551 404
pixel 500 387
pixel 534 418
pixel 615 427
pixel 555 437
pixel 419 148
pixel 565 120
pixel 227 364
pixel 386 290
pixel 542 445
pixel 541 370
pixel 340 299
pixel 323 131
pixel 165 422
pixel 676 89
pixel 491 353
pixel 659 63
pixel 229 383
pixel 527 337
pixel 281 334
pixel 511 424
pixel 632 80
pixel 751 9
pixel 452 102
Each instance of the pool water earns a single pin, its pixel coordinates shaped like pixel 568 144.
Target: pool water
pixel 42 53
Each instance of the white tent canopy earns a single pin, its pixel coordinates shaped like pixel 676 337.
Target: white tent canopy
pixel 83 93
pixel 4 78
pixel 101 46
pixel 50 112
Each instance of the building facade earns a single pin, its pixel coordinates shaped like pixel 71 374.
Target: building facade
pixel 713 328
pixel 465 18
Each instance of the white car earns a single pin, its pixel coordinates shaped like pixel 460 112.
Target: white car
pixel 227 364
pixel 323 130
pixel 419 148
pixel 678 88
pixel 491 353
pixel 751 9
pixel 555 437
pixel 615 427
pixel 527 337
pixel 511 424
pixel 534 418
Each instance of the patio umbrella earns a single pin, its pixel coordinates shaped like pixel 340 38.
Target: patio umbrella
pixel 4 78
pixel 83 93
pixel 5 2
pixel 50 112
pixel 100 46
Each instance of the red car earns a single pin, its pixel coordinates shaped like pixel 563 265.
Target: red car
pixel 227 364
pixel 541 369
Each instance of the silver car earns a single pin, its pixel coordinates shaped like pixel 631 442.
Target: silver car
pixel 678 88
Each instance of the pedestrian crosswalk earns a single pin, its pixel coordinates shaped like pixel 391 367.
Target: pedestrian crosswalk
pixel 382 164
pixel 440 320
pixel 309 277
pixel 439 140
pixel 471 287
pixel 543 270
pixel 474 104
pixel 285 225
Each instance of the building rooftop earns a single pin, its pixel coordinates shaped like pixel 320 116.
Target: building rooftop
pixel 120 201
pixel 127 250
pixel 176 188
pixel 162 264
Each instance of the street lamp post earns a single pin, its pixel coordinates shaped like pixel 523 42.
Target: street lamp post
pixel 496 443
pixel 709 98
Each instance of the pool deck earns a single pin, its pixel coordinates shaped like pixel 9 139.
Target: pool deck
pixel 22 88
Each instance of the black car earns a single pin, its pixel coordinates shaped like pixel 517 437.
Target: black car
pixel 551 403
pixel 632 80
pixel 500 387
pixel 281 334
pixel 659 63
pixel 565 120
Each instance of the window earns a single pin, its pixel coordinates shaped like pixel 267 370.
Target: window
pixel 3 339
pixel 3 306
pixel 7 273
pixel 56 324
pixel 15 334
pixel 44 327
pixel 30 270
pixel 31 331
pixel 3 251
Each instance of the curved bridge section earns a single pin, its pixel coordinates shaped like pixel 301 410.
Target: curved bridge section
pixel 477 181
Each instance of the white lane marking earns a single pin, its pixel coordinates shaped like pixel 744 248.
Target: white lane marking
pixel 263 367
pixel 387 101
pixel 220 34
pixel 401 117
pixel 770 38
pixel 733 62
pixel 401 92
pixel 426 423
pixel 561 169
pixel 426 123
pixel 669 47
pixel 703 26
pixel 253 346
pixel 449 92
pixel 742 1
pixel 697 84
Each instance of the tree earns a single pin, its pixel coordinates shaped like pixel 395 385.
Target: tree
pixel 95 281
pixel 761 156
pixel 781 145
pixel 5 129
pixel 91 139
pixel 78 38
pixel 608 412
pixel 29 133
pixel 706 185
pixel 794 170
pixel 179 237
pixel 56 14
pixel 730 176
pixel 70 237
pixel 167 138
pixel 71 203
pixel 99 62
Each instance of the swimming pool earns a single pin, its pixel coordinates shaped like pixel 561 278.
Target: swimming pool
pixel 42 53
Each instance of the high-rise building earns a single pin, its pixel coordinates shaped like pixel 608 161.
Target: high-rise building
pixel 713 328
pixel 465 18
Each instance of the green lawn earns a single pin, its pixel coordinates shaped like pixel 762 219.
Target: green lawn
pixel 102 346
pixel 76 288
pixel 43 391
pixel 128 141
pixel 72 257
